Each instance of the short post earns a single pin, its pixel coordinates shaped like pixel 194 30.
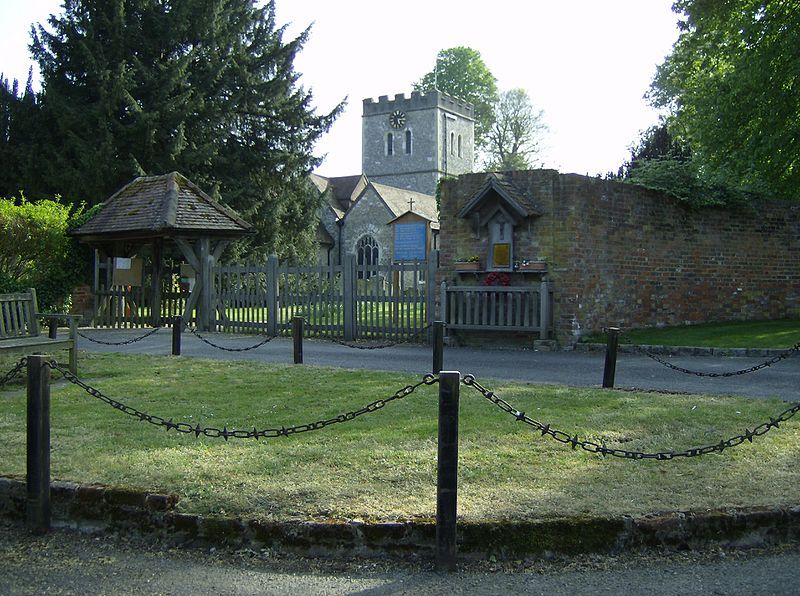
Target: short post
pixel 37 506
pixel 52 331
pixel 438 346
pixel 297 334
pixel 447 471
pixel 610 369
pixel 177 329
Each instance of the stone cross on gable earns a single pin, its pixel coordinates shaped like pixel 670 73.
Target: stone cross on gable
pixel 411 204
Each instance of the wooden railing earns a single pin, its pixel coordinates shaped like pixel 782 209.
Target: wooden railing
pixel 498 308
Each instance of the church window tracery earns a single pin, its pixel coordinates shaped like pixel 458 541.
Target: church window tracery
pixel 367 254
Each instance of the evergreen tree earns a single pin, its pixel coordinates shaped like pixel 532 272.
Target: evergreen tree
pixel 205 87
pixel 18 134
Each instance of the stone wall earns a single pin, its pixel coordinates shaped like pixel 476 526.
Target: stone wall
pixel 369 216
pixel 622 255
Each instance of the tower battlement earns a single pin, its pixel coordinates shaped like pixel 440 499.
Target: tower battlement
pixel 418 101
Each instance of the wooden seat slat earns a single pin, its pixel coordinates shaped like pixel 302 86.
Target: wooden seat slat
pixel 19 327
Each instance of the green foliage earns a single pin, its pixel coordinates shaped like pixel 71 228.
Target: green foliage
pixel 657 142
pixel 516 133
pixel 17 129
pixel 682 179
pixel 462 73
pixel 661 161
pixel 204 87
pixel 36 252
pixel 731 85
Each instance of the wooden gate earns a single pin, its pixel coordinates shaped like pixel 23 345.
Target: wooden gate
pixel 381 301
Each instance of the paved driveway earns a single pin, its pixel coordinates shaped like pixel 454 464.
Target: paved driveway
pixel 580 369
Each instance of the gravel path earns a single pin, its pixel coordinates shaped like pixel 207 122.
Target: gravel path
pixel 67 562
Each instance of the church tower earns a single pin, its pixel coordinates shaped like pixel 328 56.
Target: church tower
pixel 412 142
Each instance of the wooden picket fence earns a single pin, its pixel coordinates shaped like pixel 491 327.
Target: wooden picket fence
pixel 390 301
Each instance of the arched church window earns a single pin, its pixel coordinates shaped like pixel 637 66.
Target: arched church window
pixel 408 142
pixel 459 145
pixel 389 144
pixel 452 143
pixel 367 257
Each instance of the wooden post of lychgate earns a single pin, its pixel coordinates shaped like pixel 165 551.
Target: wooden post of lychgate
pixel 37 507
pixel 438 346
pixel 447 471
pixel 610 369
pixel 297 334
pixel 177 328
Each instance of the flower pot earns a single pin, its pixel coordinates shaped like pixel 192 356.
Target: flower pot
pixel 468 266
pixel 534 266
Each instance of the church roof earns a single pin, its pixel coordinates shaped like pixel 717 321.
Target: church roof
pixel 401 201
pixel 163 205
pixel 344 190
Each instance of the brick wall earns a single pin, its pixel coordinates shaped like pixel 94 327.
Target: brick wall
pixel 622 255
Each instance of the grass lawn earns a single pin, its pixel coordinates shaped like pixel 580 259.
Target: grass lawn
pixel 737 334
pixel 382 466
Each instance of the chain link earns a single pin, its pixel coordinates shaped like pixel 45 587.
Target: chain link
pixel 592 447
pixel 391 344
pixel 14 371
pixel 197 430
pixel 120 343
pixel 774 360
pixel 744 371
pixel 266 340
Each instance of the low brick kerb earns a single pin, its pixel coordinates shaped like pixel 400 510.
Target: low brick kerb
pixel 94 507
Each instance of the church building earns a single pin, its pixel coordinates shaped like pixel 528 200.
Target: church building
pixel 408 145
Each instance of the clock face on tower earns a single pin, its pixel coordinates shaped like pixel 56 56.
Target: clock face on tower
pixel 397 119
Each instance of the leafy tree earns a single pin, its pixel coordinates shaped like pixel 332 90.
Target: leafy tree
pixel 662 162
pixel 731 84
pixel 36 252
pixel 462 73
pixel 516 132
pixel 657 142
pixel 205 87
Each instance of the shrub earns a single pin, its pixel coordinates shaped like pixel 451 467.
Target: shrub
pixel 35 250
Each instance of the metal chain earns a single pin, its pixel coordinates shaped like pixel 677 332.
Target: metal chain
pixel 380 346
pixel 197 430
pixel 267 339
pixel 120 343
pixel 744 371
pixel 601 448
pixel 774 360
pixel 14 371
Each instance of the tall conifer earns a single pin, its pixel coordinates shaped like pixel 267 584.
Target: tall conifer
pixel 206 87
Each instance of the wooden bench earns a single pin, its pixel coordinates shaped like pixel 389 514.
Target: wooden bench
pixel 498 308
pixel 19 328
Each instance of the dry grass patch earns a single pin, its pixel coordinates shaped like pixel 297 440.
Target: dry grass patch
pixel 382 466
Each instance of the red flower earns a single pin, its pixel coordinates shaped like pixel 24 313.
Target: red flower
pixel 495 278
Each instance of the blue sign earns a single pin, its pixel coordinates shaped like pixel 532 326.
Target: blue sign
pixel 410 241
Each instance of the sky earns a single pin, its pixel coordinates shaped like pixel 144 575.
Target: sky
pixel 586 63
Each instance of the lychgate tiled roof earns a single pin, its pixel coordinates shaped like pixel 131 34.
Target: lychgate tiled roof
pixel 163 205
